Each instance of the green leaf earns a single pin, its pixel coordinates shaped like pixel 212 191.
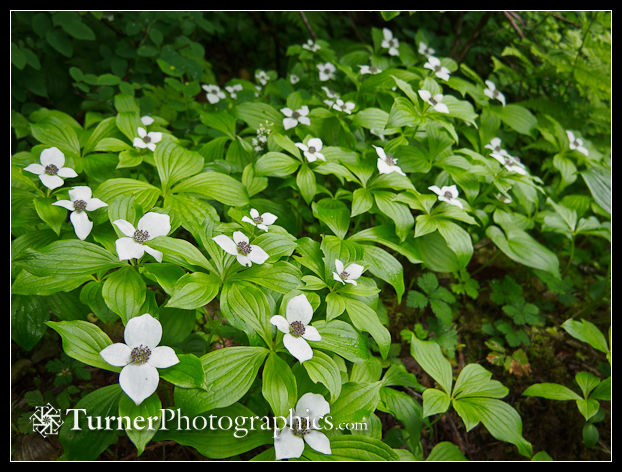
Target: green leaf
pixel 150 407
pixel 386 267
pixel 215 186
pixel 518 118
pixel 587 332
pixel 278 385
pixel 276 164
pixel 435 401
pixel 341 338
pixel 144 193
pixel 194 290
pixel 28 317
pixel 250 305
pixel 322 368
pixel 474 381
pixel 305 180
pixel 356 402
pixel 83 341
pixel 429 356
pixel 51 131
pixel 366 319
pixel 334 213
pixel 353 447
pixel 180 251
pixel 446 451
pixel 256 114
pixel 124 292
pixel 187 373
pixel 282 277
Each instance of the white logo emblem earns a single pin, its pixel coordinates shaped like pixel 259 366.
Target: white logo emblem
pixel 46 420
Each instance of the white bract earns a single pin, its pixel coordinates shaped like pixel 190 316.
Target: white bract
pixel 386 164
pixel 261 221
pixel 140 356
pixel 436 101
pixel 150 226
pixel 213 93
pixel 293 79
pixel 434 64
pixel 310 45
pixel 369 70
pixel 492 92
pixel 576 144
pixel 147 140
pixel 447 194
pixel 289 442
pixel 389 42
pixel 79 203
pixel 348 274
pixel 511 163
pixel 345 107
pixel 233 90
pixel 262 77
pixel 495 146
pixel 327 71
pixel 146 120
pixel 245 253
pixel 312 149
pixel 52 168
pixel 425 49
pixel 296 328
pixel 332 96
pixel 293 117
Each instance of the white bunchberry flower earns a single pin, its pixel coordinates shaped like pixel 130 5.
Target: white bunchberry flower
pixel 312 46
pixel 389 42
pixel 576 144
pixel 233 90
pixel 261 221
pixel 213 93
pixel 491 92
pixel 150 226
pixel 245 253
pixel 348 274
pixel 436 101
pixel 147 140
pixel 495 146
pixel 345 107
pixel 293 79
pixel 293 117
pixel 79 203
pixel 386 164
pixel 332 96
pixel 511 163
pixel 146 120
pixel 425 49
pixel 327 71
pixel 296 328
pixel 262 77
pixel 140 356
pixel 434 64
pixel 52 168
pixel 370 70
pixel 303 426
pixel 447 194
pixel 312 149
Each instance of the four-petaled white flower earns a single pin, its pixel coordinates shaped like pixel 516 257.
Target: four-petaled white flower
pixel 331 94
pixel 79 203
pixel 146 120
pixel 233 90
pixel 389 42
pixel 52 168
pixel 261 221
pixel 345 107
pixel 296 328
pixel 447 194
pixel 245 253
pixel 327 71
pixel 293 79
pixel 370 70
pixel 348 274
pixel 289 442
pixel 576 144
pixel 213 93
pixel 511 163
pixel 436 101
pixel 312 46
pixel 386 164
pixel 425 49
pixel 495 146
pixel 140 356
pixel 150 226
pixel 293 117
pixel 147 140
pixel 262 77
pixel 492 92
pixel 434 64
pixel 312 149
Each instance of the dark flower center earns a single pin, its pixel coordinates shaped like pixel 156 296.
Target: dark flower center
pixel 498 148
pixel 51 169
pixel 244 248
pixel 140 236
pixel 448 195
pixel 312 149
pixel 147 139
pixel 79 205
pixel 344 275
pixel 296 328
pixel 300 426
pixel 390 160
pixel 295 115
pixel 432 101
pixel 437 67
pixel 140 354
pixel 495 93
pixel 373 69
pixel 258 220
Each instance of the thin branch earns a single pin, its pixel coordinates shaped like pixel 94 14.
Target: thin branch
pixel 308 26
pixel 476 32
pixel 514 25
